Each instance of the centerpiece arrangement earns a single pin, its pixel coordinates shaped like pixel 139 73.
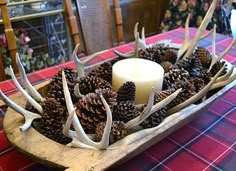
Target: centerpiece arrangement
pixel 117 108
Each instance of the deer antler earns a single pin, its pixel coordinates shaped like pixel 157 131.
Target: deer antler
pixel 139 44
pixel 27 85
pixel 81 135
pixel 150 108
pixel 81 64
pixel 29 116
pixel 197 96
pixel 201 29
pixel 27 96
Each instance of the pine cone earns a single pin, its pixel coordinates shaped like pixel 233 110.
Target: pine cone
pixel 124 111
pixel 91 110
pixel 188 89
pixel 89 84
pixel 53 118
pixel 185 63
pixel 218 65
pixel 198 83
pixel 126 92
pixel 204 55
pixel 103 71
pixel 193 65
pixel 56 88
pixel 159 96
pixel 118 131
pixel 88 120
pixel 154 53
pixel 155 119
pixel 173 76
pixel 166 66
pixel 205 76
pixel 170 55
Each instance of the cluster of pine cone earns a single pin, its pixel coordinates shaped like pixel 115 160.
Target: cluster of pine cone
pixel 190 74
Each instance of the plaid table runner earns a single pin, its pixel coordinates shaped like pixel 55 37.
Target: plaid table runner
pixel 207 143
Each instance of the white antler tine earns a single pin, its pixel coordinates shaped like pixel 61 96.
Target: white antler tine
pixel 143 35
pixel 80 65
pixel 76 143
pixel 27 96
pixel 29 116
pixel 91 57
pixel 106 133
pixel 82 137
pixel 27 85
pixel 165 101
pixel 225 82
pixel 214 57
pixel 77 91
pixel 186 34
pixel 186 42
pixel 67 126
pixel 149 104
pixel 70 107
pixel 197 96
pixel 150 109
pixel 221 56
pixel 202 28
pixel 225 76
pixel 136 30
pixel 141 43
pixel 28 121
pixel 124 55
pixel 207 34
pixel 73 135
pixel 139 119
pixel 74 53
pixel 138 45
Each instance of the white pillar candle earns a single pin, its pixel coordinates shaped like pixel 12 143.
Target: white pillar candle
pixel 144 73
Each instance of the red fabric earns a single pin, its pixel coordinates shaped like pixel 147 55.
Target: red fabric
pixel 209 142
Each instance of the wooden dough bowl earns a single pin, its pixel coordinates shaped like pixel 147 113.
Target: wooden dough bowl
pixel 48 152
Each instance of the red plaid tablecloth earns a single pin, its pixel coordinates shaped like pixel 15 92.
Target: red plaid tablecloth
pixel 207 143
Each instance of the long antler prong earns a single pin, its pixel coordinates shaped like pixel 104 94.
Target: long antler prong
pixel 186 34
pixel 77 91
pixel 214 57
pixel 201 29
pixel 139 119
pixel 225 82
pixel 106 133
pixel 66 130
pixel 221 56
pixel 26 95
pixel 143 35
pixel 225 76
pixel 150 109
pixel 139 44
pixel 166 101
pixel 207 34
pixel 186 42
pixel 27 85
pixel 197 96
pixel 29 116
pixel 82 137
pixel 81 64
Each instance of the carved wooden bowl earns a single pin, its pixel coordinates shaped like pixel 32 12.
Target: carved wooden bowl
pixel 48 152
